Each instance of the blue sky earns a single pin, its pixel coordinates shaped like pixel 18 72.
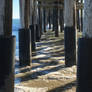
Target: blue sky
pixel 15 9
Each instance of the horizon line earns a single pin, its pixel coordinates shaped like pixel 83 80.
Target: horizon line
pixel 15 18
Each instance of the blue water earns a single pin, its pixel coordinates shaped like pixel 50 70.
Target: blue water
pixel 15 28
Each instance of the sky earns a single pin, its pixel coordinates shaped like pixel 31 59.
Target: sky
pixel 15 9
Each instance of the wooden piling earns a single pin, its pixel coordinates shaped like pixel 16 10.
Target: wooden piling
pixel 53 21
pixel 49 18
pixel 40 20
pixel 44 15
pixel 81 18
pixel 25 56
pixel 8 18
pixel 84 65
pixel 26 13
pixel 61 20
pixel 69 33
pixel 7 47
pixel 56 20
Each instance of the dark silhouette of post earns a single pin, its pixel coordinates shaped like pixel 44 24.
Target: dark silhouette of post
pixel 44 15
pixel 7 47
pixel 84 66
pixel 81 17
pixel 78 17
pixel 61 20
pixel 56 20
pixel 53 29
pixel 49 18
pixel 39 20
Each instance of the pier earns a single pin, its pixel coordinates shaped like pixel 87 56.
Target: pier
pixel 54 46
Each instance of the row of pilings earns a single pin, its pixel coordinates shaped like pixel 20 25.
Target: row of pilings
pixel 33 17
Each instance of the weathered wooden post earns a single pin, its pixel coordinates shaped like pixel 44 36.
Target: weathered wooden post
pixel 36 18
pixel 78 17
pixel 84 69
pixel 69 33
pixel 53 20
pixel 39 20
pixel 34 23
pixel 31 12
pixel 38 33
pixel 82 17
pixel 7 47
pixel 49 18
pixel 33 38
pixel 24 34
pixel 61 20
pixel 56 19
pixel 44 14
pixel 33 26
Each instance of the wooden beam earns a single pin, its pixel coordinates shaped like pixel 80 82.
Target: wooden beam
pixel 61 6
pixel 51 0
pixel 51 5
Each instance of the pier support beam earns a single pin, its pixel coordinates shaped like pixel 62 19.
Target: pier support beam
pixel 69 33
pixel 78 17
pixel 81 18
pixel 24 34
pixel 53 29
pixel 36 24
pixel 49 18
pixel 7 47
pixel 31 12
pixel 44 15
pixel 33 38
pixel 84 69
pixel 61 19
pixel 40 20
pixel 56 21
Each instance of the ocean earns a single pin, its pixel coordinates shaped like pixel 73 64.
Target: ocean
pixel 15 29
